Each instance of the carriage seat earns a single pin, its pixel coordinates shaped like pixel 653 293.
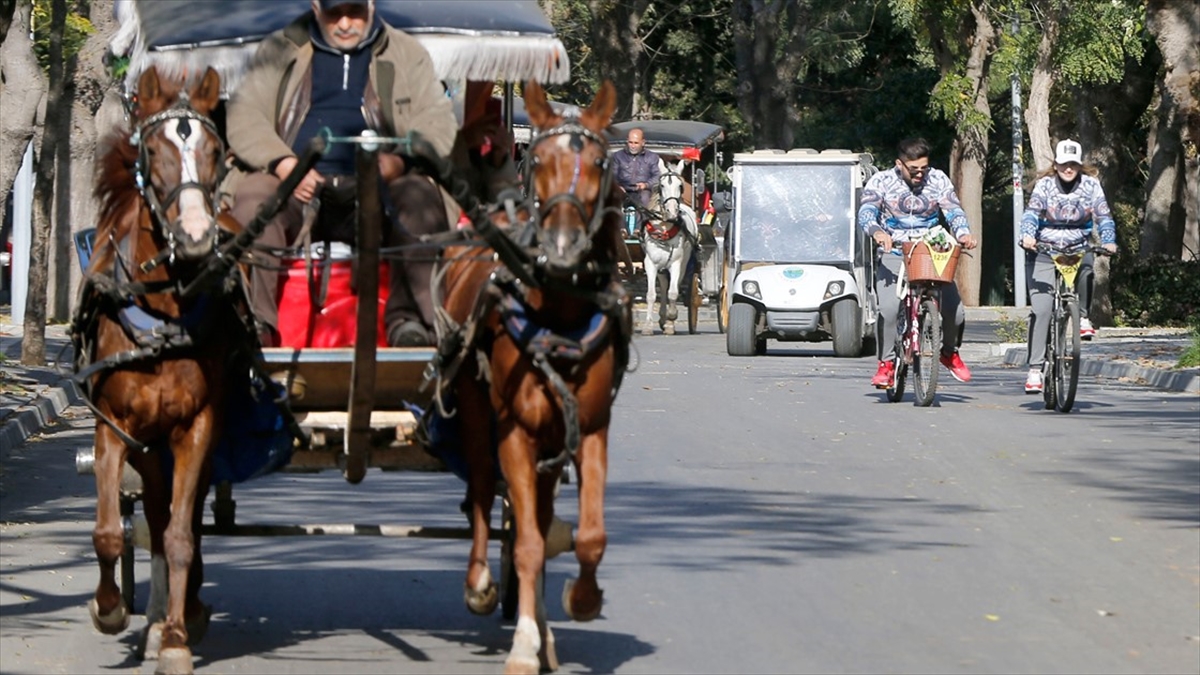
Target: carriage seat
pixel 310 318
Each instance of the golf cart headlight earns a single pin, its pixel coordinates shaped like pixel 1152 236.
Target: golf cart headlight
pixel 750 288
pixel 834 289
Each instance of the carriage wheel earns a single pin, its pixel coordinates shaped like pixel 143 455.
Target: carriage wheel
pixel 508 570
pixel 694 302
pixel 127 554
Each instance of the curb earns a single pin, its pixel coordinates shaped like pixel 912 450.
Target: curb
pixel 36 415
pixel 1169 380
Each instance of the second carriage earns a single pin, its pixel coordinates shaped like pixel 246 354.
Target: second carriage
pixel 685 147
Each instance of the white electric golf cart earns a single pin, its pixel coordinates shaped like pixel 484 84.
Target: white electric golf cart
pixel 797 268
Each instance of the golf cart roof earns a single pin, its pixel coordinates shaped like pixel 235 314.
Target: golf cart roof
pixel 802 156
pixel 481 40
pixel 670 135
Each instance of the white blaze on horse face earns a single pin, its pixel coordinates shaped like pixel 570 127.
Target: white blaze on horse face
pixel 193 210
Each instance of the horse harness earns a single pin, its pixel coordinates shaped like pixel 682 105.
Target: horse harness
pixel 116 292
pixel 507 292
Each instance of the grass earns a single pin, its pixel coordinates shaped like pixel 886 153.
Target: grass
pixel 1191 356
pixel 1012 330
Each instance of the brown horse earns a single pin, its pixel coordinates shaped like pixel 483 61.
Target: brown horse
pixel 153 359
pixel 536 345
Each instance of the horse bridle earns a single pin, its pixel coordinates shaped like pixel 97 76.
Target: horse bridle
pixel 184 112
pixel 579 134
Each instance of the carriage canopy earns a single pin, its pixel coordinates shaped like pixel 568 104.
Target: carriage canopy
pixel 481 40
pixel 670 137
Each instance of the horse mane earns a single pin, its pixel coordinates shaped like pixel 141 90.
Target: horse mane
pixel 117 192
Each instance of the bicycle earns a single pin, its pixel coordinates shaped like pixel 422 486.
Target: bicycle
pixel 926 266
pixel 1061 370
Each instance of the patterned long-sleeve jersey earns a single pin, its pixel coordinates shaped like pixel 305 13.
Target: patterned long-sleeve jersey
pixel 1065 219
pixel 889 204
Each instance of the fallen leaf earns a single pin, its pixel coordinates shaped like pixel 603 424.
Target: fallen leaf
pixel 992 617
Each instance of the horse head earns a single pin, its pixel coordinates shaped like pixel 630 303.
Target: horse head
pixel 181 161
pixel 670 189
pixel 569 177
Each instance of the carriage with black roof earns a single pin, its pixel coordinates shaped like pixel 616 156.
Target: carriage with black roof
pixel 333 395
pixel 689 150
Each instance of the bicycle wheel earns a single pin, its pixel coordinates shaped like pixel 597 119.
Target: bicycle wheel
pixel 1050 369
pixel 929 347
pixel 1069 340
pixel 899 362
pixel 896 391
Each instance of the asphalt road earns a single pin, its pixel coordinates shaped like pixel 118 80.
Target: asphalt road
pixel 767 514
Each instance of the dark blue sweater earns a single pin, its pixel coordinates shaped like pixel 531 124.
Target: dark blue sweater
pixel 339 80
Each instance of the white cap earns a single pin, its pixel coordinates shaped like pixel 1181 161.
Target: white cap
pixel 1068 151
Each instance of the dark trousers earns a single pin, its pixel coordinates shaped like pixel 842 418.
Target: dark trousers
pixel 415 208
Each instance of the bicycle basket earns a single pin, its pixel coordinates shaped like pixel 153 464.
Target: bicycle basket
pixel 921 263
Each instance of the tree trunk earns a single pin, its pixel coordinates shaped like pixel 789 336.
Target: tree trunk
pixel 75 207
pixel 1037 113
pixel 766 89
pixel 22 89
pixel 1172 151
pixel 968 156
pixel 33 343
pixel 620 53
pixel 1106 116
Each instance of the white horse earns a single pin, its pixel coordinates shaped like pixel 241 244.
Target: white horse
pixel 667 244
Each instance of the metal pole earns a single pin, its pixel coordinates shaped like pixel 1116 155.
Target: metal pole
pixel 1018 200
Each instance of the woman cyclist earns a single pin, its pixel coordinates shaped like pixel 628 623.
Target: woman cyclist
pixel 1067 201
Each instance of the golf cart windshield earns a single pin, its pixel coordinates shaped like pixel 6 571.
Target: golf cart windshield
pixel 795 213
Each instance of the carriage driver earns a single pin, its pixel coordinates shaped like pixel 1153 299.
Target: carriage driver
pixel 340 66
pixel 637 170
pixel 901 205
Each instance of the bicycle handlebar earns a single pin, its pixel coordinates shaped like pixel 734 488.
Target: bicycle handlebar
pixel 1050 249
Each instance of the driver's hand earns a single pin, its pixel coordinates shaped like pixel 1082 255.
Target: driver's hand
pixel 1111 248
pixel 1028 243
pixel 391 166
pixel 968 242
pixel 884 240
pixel 308 186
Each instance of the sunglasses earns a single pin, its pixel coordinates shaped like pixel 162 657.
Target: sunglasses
pixel 916 169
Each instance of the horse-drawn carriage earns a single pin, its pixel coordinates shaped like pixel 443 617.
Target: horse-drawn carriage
pixel 162 317
pixel 674 242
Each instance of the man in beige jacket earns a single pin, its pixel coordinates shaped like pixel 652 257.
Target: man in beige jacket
pixel 341 67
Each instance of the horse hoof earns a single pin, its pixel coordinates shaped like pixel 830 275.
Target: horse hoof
pixel 580 614
pixel 548 657
pixel 648 330
pixel 197 626
pixel 174 661
pixel 522 665
pixel 482 602
pixel 151 642
pixel 112 623
pixel 669 330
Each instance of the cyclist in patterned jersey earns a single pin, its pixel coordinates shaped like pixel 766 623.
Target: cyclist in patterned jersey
pixel 901 205
pixel 1065 204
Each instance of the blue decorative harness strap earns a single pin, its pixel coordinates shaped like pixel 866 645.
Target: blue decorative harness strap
pixel 573 345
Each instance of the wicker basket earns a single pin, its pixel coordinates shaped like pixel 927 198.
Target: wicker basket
pixel 919 267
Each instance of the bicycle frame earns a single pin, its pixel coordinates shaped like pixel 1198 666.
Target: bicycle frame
pixel 918 338
pixel 1061 371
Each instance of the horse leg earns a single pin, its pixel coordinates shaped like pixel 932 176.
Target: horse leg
pixel 518 457
pixel 479 590
pixel 582 597
pixel 651 271
pixel 672 308
pixel 155 507
pixel 175 658
pixel 107 608
pixel 196 614
pixel 547 491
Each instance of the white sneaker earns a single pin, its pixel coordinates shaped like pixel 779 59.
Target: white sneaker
pixel 1086 331
pixel 1033 383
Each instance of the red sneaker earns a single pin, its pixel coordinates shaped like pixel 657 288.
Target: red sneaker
pixel 957 368
pixel 884 376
